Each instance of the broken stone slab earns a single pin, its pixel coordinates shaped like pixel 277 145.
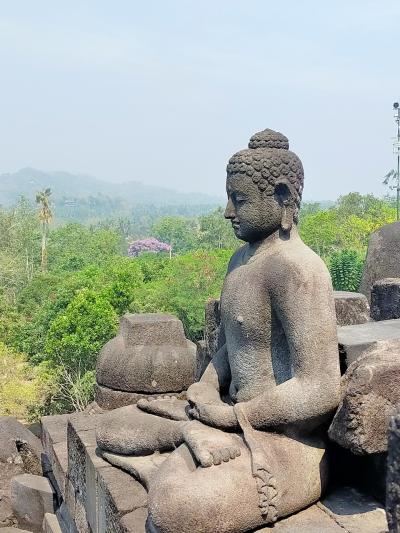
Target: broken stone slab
pixel 354 511
pixel 356 339
pixel 393 476
pixel 351 308
pixel 385 299
pixel 51 524
pixel 149 355
pixel 31 497
pixel 383 257
pixel 13 530
pixel 18 445
pixel 370 392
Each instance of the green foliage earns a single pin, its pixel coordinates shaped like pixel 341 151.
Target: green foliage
pixel 76 336
pixel 346 269
pixel 178 232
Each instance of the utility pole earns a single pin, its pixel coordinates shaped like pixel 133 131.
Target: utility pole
pixel 396 150
pixel 394 175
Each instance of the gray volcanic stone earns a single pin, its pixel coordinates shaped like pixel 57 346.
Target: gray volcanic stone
pixel 393 476
pixel 355 340
pixel 385 299
pixel 149 355
pixel 370 394
pixel 18 445
pixel 383 257
pixel 113 399
pixel 31 498
pixel 351 308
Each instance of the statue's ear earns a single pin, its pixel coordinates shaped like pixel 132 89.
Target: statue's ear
pixel 285 195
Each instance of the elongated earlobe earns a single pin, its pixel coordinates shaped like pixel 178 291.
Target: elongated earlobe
pixel 287 218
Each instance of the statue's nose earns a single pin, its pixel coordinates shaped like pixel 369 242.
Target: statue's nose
pixel 230 210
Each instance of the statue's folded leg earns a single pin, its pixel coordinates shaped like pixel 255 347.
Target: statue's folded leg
pixel 130 431
pixel 184 497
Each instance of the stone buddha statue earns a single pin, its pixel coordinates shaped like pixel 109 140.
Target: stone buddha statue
pixel 248 447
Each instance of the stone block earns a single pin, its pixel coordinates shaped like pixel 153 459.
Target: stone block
pixel 355 340
pixel 118 494
pixel 354 511
pixel 383 257
pixel 51 524
pixel 13 530
pixel 385 299
pixel 149 355
pixel 31 497
pixel 393 476
pixel 370 394
pixel 18 445
pixel 351 308
pixel 7 472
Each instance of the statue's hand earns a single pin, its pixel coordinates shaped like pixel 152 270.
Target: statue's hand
pixel 167 407
pixel 211 446
pixel 218 415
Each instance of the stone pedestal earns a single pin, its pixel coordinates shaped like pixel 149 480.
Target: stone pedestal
pixel 385 299
pixel 149 357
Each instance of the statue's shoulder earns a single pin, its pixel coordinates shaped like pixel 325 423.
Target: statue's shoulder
pixel 298 260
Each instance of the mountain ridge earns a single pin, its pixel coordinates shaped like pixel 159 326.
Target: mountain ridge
pixel 27 181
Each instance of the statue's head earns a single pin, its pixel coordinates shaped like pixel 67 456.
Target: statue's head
pixel 264 186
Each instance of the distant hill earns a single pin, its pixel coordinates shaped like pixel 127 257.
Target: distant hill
pixel 67 187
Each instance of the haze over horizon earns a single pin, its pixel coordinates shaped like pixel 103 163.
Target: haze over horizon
pixel 164 93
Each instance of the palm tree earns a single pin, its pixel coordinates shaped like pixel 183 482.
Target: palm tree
pixel 45 216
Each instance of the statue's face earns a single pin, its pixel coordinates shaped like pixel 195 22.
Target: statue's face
pixel 254 216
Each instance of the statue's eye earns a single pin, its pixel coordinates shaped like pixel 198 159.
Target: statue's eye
pixel 240 199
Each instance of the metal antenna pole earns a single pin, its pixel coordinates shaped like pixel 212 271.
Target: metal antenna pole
pixel 396 150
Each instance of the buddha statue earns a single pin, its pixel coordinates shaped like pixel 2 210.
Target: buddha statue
pixel 248 446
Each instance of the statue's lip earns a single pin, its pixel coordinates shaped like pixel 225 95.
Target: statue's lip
pixel 235 224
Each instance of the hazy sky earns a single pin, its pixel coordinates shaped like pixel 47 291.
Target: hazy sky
pixel 165 91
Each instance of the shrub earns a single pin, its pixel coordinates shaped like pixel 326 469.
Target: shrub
pixel 346 269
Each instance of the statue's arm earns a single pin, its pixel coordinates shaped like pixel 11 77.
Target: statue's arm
pixel 305 307
pixel 214 381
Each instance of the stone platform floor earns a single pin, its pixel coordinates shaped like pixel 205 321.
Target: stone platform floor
pixel 100 498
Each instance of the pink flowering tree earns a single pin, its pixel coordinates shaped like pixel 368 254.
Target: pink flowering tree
pixel 150 244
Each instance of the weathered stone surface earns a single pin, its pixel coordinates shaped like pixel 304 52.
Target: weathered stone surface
pixel 355 340
pixel 31 497
pixel 385 299
pixel 370 393
pixel 311 520
pixel 383 257
pixel 113 399
pixel 351 308
pixel 134 522
pixel 354 511
pixel 51 524
pixel 149 355
pixel 7 472
pixel 118 495
pixel 13 530
pixel 18 445
pixel 393 476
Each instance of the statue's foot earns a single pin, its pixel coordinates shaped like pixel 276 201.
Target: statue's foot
pixel 142 468
pixel 130 431
pixel 209 445
pixel 167 407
